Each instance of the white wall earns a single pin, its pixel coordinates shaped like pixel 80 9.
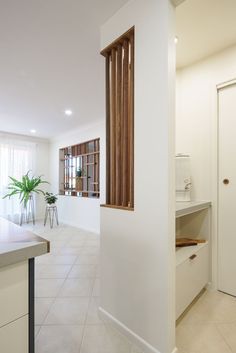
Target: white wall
pixel 137 274
pixel 196 115
pixel 196 127
pixel 41 165
pixel 81 212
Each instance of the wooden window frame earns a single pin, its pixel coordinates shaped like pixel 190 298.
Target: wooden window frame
pixel 71 158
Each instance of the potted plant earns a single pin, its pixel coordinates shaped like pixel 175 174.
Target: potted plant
pixel 79 179
pixel 50 198
pixel 25 187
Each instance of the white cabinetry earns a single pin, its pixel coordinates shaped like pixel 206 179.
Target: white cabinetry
pixel 193 220
pixel 14 308
pixel 14 336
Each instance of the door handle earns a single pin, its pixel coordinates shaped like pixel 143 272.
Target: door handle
pixel 226 181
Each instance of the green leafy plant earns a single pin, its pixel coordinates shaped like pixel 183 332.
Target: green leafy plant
pixel 25 187
pixel 80 172
pixel 50 198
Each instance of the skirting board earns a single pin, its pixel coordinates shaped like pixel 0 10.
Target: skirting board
pixel 132 336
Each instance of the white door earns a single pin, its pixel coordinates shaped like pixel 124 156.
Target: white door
pixel 227 190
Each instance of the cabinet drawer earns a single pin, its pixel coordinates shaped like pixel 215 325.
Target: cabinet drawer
pixel 13 292
pixel 192 275
pixel 14 336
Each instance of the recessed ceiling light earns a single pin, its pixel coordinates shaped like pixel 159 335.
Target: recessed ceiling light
pixel 68 112
pixel 33 131
pixel 176 40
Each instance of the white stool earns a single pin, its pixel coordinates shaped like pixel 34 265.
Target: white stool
pixel 51 211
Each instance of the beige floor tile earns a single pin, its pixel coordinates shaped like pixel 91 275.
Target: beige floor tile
pixel 96 288
pixel 85 259
pixel 60 236
pixel 76 242
pixel 76 287
pixel 200 338
pixel 52 271
pixel 57 243
pixel 36 330
pixel 42 259
pixel 83 271
pixel 135 349
pixel 212 307
pixel 42 306
pixel 48 287
pixel 93 315
pixel 98 271
pixel 91 250
pixel 52 259
pixel 228 331
pixel 103 339
pixel 68 311
pixel 59 339
pixel 90 242
pixel 92 236
pixel 68 250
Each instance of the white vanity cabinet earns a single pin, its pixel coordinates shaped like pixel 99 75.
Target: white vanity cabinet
pixel 193 220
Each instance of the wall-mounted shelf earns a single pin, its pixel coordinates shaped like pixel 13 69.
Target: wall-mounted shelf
pixel 185 208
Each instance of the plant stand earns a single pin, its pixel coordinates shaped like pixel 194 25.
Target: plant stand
pixel 28 212
pixel 51 212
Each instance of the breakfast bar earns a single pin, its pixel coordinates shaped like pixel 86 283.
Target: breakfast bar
pixel 18 249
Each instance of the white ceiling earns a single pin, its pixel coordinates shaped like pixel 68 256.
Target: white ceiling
pixel 204 27
pixel 49 55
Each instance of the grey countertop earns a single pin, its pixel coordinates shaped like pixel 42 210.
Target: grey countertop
pixel 18 244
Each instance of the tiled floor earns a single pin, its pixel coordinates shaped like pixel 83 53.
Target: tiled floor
pixel 67 299
pixel 209 326
pixel 67 296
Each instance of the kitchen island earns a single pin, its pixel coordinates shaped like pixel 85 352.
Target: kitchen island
pixel 18 248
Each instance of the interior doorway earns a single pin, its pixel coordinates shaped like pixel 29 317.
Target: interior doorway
pixel 227 188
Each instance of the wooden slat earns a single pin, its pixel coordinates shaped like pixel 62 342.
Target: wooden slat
pixel 118 125
pixel 125 174
pixel 108 168
pixel 131 127
pixel 113 127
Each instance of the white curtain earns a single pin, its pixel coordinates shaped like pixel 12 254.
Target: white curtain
pixel 16 159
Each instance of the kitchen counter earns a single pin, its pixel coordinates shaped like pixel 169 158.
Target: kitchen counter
pixel 18 249
pixel 18 244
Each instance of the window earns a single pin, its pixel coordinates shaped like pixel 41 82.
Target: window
pixel 120 121
pixel 16 159
pixel 79 169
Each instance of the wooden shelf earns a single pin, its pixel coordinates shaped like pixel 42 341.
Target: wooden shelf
pixel 78 155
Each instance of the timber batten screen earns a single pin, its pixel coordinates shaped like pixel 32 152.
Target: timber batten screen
pixel 120 121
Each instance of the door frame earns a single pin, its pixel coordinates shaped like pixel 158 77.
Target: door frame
pixel 215 180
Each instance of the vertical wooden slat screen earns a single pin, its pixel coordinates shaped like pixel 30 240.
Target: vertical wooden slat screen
pixel 108 167
pixel 120 121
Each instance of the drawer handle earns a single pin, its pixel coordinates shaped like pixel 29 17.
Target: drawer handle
pixel 192 257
